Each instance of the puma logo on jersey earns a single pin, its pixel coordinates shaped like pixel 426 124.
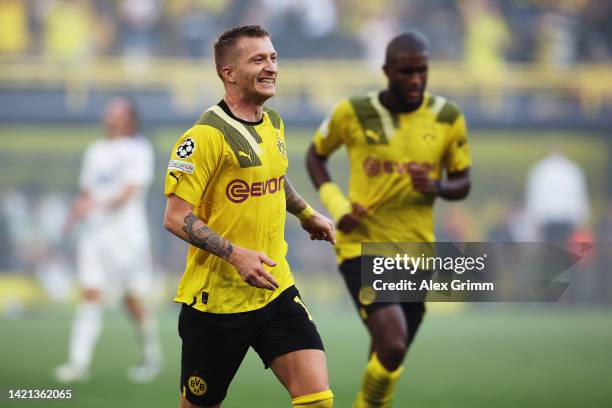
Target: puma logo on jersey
pixel 370 134
pixel 175 176
pixel 243 154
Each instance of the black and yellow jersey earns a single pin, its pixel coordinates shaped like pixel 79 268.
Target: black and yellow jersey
pixel 233 173
pixel 380 146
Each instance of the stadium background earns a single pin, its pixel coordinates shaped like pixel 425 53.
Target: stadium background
pixel 531 76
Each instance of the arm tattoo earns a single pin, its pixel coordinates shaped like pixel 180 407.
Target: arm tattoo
pixel 205 238
pixel 295 203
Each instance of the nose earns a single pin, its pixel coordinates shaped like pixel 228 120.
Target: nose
pixel 271 65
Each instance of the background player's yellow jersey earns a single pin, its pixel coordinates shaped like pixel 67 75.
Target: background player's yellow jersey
pixel 380 146
pixel 233 174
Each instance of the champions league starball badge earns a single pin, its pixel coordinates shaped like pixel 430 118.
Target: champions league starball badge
pixel 186 148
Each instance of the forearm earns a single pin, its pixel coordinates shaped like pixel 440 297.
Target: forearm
pixel 317 167
pixel 182 222
pixel 201 235
pixel 121 198
pixel 295 203
pixel 454 187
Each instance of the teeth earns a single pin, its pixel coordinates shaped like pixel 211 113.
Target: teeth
pixel 267 80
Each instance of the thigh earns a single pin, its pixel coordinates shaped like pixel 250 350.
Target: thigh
pixel 213 347
pixel 387 325
pixel 290 327
pixel 363 297
pixel 413 313
pixel 386 322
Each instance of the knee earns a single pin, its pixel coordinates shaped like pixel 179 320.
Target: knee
pixel 391 352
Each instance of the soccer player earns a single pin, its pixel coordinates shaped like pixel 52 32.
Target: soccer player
pixel 228 195
pixel 113 250
pixel 400 142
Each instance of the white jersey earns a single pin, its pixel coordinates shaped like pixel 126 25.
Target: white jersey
pixel 114 242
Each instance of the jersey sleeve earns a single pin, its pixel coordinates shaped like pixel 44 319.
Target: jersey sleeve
pixel 457 156
pixel 194 159
pixel 332 132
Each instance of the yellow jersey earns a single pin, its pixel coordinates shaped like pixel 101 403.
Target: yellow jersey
pixel 380 145
pixel 233 174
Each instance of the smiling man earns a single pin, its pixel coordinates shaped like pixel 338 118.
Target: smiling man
pixel 228 194
pixel 400 142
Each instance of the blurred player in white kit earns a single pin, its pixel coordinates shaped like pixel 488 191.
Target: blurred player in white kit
pixel 113 249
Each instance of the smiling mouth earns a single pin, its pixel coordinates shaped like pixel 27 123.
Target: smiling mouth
pixel 414 93
pixel 269 81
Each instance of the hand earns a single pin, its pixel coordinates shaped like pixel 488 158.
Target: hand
pixel 421 180
pixel 80 208
pixel 320 228
pixel 350 221
pixel 249 265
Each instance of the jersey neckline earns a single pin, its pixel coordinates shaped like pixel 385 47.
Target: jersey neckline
pixel 227 110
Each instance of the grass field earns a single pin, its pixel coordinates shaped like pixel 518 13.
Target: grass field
pixel 486 357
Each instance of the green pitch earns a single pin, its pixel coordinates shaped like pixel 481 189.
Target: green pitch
pixel 487 357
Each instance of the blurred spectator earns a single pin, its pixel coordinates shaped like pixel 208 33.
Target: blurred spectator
pixel 551 32
pixel 442 26
pixel 487 36
pixel 557 198
pixel 139 21
pixel 68 28
pixel 379 27
pixel 14 27
pixel 595 39
pixel 300 28
pixel 556 35
pixel 195 23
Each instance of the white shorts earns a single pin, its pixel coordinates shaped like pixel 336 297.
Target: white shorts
pixel 109 262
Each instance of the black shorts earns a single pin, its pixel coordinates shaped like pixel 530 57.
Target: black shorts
pixel 366 305
pixel 214 345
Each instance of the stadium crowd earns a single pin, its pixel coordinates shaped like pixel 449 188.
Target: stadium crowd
pixel 478 31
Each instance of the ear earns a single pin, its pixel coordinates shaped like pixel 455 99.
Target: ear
pixel 228 75
pixel 385 69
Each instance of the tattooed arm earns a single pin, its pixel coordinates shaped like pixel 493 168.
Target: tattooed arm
pixel 295 203
pixel 202 236
pixel 182 222
pixel 318 226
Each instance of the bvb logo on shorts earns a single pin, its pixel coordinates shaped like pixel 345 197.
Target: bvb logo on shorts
pixel 367 295
pixel 197 385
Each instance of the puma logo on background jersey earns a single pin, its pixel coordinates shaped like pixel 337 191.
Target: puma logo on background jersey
pixel 243 154
pixel 370 134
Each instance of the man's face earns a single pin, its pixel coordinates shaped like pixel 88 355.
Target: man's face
pixel 118 119
pixel 407 75
pixel 255 68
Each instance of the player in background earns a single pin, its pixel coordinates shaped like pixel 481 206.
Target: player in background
pixel 400 143
pixel 228 195
pixel 113 249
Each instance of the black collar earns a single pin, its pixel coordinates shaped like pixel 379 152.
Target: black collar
pixel 227 110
